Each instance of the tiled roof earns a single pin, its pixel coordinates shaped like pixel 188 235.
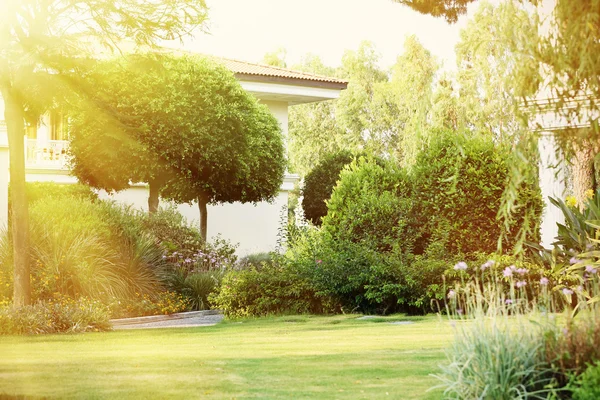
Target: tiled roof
pixel 259 70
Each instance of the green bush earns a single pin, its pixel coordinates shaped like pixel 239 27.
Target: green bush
pixel 371 205
pixel 587 387
pixel 162 302
pixel 319 183
pixel 275 288
pixel 56 316
pixel 458 186
pixel 44 190
pixel 256 260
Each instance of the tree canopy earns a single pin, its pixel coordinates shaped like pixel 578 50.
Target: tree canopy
pixel 184 125
pixel 448 9
pixel 39 39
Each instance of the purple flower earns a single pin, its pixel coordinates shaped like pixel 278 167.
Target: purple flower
pixel 507 272
pixel 487 264
pixel 522 271
pixel 459 311
pixel 579 289
pixel 567 291
pixel 461 266
pixel 520 284
pixel 574 260
pixel 508 301
pixel 163 257
pixel 188 260
pixel 451 294
pixel 590 269
pixel 174 253
pixel 319 261
pixel 544 281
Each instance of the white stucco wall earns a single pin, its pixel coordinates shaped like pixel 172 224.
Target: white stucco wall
pixel 552 184
pixel 253 228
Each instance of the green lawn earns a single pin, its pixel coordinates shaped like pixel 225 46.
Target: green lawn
pixel 276 358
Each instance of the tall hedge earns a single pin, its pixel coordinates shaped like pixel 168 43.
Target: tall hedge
pixel 458 185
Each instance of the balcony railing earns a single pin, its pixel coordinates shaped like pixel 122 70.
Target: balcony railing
pixel 46 153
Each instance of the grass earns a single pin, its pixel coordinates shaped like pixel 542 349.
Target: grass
pixel 336 357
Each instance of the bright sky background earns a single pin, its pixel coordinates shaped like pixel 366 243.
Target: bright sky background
pixel 247 29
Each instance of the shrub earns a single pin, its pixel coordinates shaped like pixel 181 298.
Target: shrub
pixel 72 251
pixel 458 186
pixel 371 205
pixel 200 286
pixel 275 288
pixel 587 386
pixel 61 314
pixel 45 190
pixel 319 183
pixel 571 349
pixel 163 302
pixel 256 260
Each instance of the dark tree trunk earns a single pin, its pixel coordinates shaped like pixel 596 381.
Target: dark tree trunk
pixel 153 196
pixel 202 202
pixel 14 116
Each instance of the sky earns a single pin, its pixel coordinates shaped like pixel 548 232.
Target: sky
pixel 247 29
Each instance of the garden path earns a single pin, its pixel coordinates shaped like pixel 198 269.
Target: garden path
pixel 180 320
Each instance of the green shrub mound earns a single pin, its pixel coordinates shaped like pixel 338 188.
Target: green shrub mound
pixel 274 288
pixel 371 205
pixel 59 315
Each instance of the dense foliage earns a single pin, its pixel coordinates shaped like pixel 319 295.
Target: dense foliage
pixel 183 124
pixel 319 183
pixel 127 262
pixel 58 315
pixel 391 233
pixel 458 183
pixel 270 288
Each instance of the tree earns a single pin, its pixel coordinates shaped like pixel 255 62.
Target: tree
pixel 313 129
pixel 184 125
pixel 400 130
pixel 448 9
pixel 492 60
pixel 39 39
pixel 276 58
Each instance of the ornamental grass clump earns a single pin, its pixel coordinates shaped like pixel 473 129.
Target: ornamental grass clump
pixel 518 335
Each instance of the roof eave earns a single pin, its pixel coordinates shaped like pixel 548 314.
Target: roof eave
pixel 291 81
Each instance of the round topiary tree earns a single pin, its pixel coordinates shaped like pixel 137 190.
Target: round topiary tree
pixel 182 124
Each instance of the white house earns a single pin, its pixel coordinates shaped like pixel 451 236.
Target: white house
pixel 254 227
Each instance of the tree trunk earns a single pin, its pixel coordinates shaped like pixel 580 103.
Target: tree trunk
pixel 202 202
pixel 153 200
pixel 14 116
pixel 583 172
